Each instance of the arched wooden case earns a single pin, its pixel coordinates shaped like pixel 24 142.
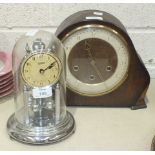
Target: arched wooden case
pixel 132 91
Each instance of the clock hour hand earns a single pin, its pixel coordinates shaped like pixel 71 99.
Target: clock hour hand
pixel 92 61
pixel 49 67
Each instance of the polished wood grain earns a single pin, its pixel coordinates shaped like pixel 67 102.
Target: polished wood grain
pixel 133 91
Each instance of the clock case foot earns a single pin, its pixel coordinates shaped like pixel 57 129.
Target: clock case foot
pixel 132 92
pixel 153 144
pixel 141 103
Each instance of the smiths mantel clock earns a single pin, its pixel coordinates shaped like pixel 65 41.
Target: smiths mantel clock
pixel 103 68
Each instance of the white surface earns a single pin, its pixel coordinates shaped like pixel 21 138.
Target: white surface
pixel 21 15
pixel 16 19
pixel 31 15
pixel 42 92
pixel 96 128
pixel 132 15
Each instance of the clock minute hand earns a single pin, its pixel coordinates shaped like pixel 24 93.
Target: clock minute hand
pixel 49 67
pixel 93 63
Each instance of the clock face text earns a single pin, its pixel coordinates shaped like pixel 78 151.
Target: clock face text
pixel 97 60
pixel 40 70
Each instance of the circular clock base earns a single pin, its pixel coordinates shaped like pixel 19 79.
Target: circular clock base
pixel 41 135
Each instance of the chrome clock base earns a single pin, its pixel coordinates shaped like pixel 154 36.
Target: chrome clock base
pixel 41 135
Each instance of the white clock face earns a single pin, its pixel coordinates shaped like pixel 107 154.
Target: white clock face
pixel 97 60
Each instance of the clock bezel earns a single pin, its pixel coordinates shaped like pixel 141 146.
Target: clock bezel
pixel 26 57
pixel 89 25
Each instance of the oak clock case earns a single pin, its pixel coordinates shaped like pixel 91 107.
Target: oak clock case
pixel 40 91
pixel 103 67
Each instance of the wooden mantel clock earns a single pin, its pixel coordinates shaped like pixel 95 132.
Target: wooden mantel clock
pixel 103 67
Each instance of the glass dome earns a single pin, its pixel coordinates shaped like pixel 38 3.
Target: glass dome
pixel 40 90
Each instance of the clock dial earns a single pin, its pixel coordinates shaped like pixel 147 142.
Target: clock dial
pixel 97 60
pixel 89 66
pixel 40 70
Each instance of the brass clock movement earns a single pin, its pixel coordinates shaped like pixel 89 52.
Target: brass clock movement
pixel 103 67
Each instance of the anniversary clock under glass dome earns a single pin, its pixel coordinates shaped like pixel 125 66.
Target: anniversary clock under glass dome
pixel 39 75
